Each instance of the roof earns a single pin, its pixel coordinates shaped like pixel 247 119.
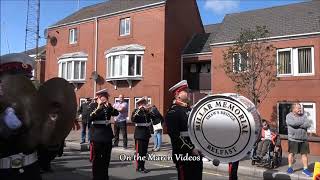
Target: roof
pixel 285 20
pixel 200 42
pixel 33 51
pixel 108 7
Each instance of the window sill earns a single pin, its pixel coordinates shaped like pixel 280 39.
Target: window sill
pixel 124 78
pixel 129 79
pixel 298 75
pixel 310 138
pixel 77 81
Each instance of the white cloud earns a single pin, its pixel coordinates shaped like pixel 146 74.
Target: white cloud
pixel 222 6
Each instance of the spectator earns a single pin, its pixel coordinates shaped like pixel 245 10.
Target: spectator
pixel 267 137
pixel 84 112
pixel 297 137
pixel 120 122
pixel 157 120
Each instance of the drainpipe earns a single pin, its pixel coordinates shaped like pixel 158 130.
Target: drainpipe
pixel 95 56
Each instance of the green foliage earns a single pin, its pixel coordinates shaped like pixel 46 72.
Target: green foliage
pixel 251 64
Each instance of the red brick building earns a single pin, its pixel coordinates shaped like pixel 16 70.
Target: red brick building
pixel 295 32
pixel 131 47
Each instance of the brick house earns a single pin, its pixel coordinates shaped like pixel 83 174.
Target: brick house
pixel 131 47
pixel 295 32
pixel 39 69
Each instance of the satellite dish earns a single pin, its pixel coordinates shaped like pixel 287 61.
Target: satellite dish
pixel 53 41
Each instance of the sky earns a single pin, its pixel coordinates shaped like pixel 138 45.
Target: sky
pixel 14 13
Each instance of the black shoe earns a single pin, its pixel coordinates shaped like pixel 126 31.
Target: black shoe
pixel 82 142
pixel 115 145
pixel 142 170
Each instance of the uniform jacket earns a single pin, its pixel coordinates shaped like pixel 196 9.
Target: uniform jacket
pixel 84 110
pixel 100 132
pixel 177 121
pixel 141 116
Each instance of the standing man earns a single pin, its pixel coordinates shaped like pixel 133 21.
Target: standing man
pixel 15 164
pixel 84 112
pixel 177 124
pixel 120 122
pixel 101 135
pixel 141 118
pixel 297 137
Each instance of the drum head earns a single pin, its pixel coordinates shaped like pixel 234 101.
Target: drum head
pixel 224 126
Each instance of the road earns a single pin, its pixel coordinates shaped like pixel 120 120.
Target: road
pixel 75 165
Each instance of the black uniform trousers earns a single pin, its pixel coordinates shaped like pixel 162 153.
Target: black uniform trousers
pixel 191 170
pixel 120 126
pixel 28 172
pixel 233 170
pixel 101 160
pixel 141 151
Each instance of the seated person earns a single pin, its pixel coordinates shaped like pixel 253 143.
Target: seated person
pixel 267 137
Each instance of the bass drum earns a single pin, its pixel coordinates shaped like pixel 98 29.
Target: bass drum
pixel 224 126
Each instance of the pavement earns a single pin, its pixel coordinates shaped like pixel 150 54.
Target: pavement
pixel 245 166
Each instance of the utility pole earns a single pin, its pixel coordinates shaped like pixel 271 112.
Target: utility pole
pixel 32 29
pixel 32 26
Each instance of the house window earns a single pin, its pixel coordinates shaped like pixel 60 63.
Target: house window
pixel 73 36
pixel 72 69
pixel 295 61
pixel 136 99
pixel 125 26
pixel 309 109
pixel 127 100
pixel 124 65
pixel 240 62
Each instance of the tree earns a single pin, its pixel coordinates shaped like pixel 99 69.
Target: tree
pixel 251 64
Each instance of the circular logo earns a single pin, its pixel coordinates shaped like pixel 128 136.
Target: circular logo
pixel 223 127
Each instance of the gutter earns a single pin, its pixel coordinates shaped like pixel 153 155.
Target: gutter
pixel 106 15
pixel 196 54
pixel 270 38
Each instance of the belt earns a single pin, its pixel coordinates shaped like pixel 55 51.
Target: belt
pixel 102 122
pixel 143 124
pixel 184 134
pixel 18 160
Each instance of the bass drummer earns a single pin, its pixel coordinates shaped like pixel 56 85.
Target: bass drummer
pixel 177 124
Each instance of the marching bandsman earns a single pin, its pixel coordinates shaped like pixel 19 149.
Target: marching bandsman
pixel 187 158
pixel 141 118
pixel 101 135
pixel 15 164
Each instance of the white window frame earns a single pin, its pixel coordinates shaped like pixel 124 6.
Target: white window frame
pixel 110 73
pixel 126 28
pixel 240 68
pixel 136 99
pixel 73 60
pixel 294 61
pixel 314 121
pixel 73 33
pixel 116 99
pixel 302 104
